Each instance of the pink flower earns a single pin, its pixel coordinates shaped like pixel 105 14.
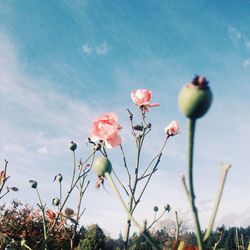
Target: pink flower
pixel 141 98
pixel 106 128
pixel 172 129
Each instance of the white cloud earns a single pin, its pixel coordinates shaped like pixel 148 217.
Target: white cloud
pixel 246 63
pixel 43 151
pixel 234 35
pixel 102 49
pixel 86 48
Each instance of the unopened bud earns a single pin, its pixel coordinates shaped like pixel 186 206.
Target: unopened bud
pixel 33 183
pixel 97 147
pixel 72 146
pixel 156 208
pixel 56 202
pixel 102 165
pixel 167 208
pixel 58 177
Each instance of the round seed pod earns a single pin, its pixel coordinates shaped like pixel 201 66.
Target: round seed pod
pixel 102 165
pixel 195 98
pixel 72 146
pixel 156 208
pixel 56 202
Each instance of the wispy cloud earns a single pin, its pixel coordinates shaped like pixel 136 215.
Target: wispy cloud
pixel 86 48
pixel 102 49
pixel 234 34
pixel 43 150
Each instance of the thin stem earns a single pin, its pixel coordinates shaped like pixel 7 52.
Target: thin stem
pixel 4 194
pixel 60 194
pixel 119 181
pixel 71 189
pixel 4 177
pixel 26 246
pixel 163 146
pixel 156 219
pixel 43 217
pixel 147 182
pixel 177 235
pixel 224 168
pixel 74 170
pixel 183 180
pixel 140 228
pixel 191 131
pixel 126 166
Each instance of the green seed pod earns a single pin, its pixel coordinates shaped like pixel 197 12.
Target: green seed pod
pixel 156 208
pixel 167 208
pixel 102 165
pixel 56 202
pixel 33 183
pixel 195 98
pixel 72 146
pixel 58 177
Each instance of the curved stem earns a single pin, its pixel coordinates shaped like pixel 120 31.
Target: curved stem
pixel 191 131
pixel 118 195
pixel 225 169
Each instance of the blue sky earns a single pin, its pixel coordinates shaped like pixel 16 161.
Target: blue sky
pixel 63 63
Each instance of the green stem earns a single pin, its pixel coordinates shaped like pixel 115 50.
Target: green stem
pixel 43 217
pixel 26 246
pixel 140 228
pixel 191 132
pixel 74 170
pixel 224 173
pixel 133 189
pixel 60 194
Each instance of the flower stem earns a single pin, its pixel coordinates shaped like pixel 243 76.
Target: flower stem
pixel 224 173
pixel 74 170
pixel 191 132
pixel 43 217
pixel 118 195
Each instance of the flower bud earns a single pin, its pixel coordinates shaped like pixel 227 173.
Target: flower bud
pixel 97 147
pixel 195 98
pixel 156 208
pixel 15 189
pixel 56 202
pixel 72 146
pixel 138 127
pixel 58 177
pixel 33 183
pixel 167 208
pixel 102 165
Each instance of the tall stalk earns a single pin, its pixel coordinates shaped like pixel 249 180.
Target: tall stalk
pixel 191 132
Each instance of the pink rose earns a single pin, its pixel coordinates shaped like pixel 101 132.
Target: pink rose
pixel 141 98
pixel 172 129
pixel 106 128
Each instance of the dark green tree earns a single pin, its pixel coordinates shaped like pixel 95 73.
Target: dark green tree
pixel 94 239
